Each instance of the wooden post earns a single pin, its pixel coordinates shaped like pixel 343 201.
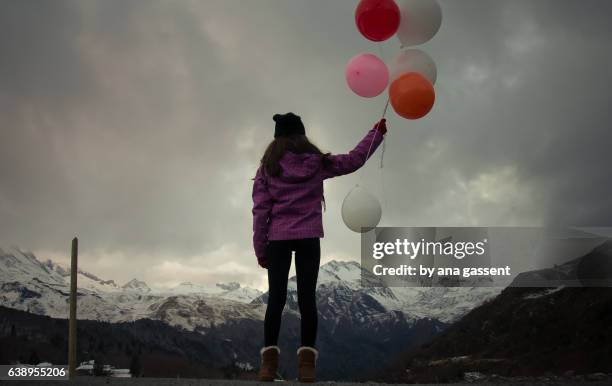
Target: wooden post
pixel 73 299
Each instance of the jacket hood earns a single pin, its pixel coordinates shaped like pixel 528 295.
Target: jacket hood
pixel 299 167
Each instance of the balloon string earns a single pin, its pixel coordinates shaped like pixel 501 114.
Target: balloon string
pixel 384 143
pixel 385 110
pixel 378 124
pixel 374 136
pixel 372 142
pixel 386 204
pixel 382 153
pixel 382 157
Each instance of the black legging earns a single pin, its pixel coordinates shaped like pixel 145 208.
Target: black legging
pixel 307 258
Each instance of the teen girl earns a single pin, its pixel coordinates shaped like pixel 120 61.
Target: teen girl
pixel 287 209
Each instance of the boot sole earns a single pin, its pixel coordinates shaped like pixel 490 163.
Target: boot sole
pixel 266 379
pixel 307 380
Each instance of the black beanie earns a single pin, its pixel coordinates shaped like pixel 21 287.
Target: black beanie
pixel 288 124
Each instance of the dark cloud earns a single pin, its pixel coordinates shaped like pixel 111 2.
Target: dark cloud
pixel 137 124
pixel 40 57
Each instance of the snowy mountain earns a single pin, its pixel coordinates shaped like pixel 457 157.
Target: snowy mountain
pixel 229 291
pixel 43 288
pixel 84 279
pixel 136 285
pixel 191 288
pixel 354 319
pixel 339 286
pixel 361 327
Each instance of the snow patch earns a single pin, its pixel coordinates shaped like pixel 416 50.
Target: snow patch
pixel 543 293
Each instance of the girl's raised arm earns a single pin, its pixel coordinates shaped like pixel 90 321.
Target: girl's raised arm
pixel 342 164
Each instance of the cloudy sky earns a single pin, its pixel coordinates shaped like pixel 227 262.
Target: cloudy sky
pixel 137 125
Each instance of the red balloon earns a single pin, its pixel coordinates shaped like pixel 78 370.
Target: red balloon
pixel 377 20
pixel 412 95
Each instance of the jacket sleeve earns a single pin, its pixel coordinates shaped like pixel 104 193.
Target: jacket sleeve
pixel 262 206
pixel 342 164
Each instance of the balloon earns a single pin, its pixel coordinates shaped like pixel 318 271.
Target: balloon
pixel 420 21
pixel 367 75
pixel 414 60
pixel 377 20
pixel 361 211
pixel 412 95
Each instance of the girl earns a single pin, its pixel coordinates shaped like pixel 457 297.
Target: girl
pixel 287 197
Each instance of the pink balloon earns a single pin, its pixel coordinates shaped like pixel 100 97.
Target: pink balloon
pixel 367 75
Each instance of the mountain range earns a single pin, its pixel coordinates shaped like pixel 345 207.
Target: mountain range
pixel 533 334
pixel 380 321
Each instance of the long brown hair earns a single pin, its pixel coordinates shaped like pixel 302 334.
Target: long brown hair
pixel 298 144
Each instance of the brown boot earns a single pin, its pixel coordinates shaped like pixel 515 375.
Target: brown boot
pixel 269 363
pixel 307 359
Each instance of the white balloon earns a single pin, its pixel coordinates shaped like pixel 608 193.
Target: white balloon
pixel 361 211
pixel 414 60
pixel 420 21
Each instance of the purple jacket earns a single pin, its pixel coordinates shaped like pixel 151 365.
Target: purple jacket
pixel 288 207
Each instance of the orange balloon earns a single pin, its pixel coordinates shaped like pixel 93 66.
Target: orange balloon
pixel 412 95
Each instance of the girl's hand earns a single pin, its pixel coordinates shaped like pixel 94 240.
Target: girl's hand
pixel 381 126
pixel 263 263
